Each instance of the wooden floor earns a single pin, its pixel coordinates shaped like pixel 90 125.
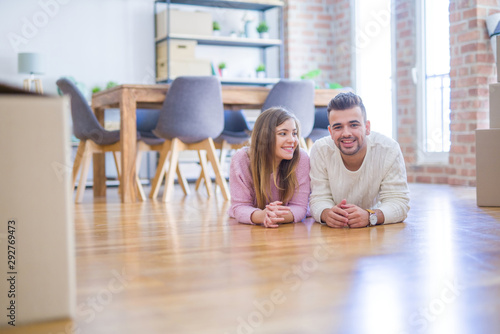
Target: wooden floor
pixel 185 267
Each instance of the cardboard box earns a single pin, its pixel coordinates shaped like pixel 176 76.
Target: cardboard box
pixel 179 50
pixel 183 67
pixel 184 22
pixel 495 106
pixel 37 210
pixel 488 167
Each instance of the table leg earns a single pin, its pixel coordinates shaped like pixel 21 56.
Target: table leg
pixel 128 140
pixel 99 163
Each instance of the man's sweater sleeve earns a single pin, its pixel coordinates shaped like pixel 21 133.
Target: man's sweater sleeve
pixel 394 193
pixel 321 195
pixel 241 188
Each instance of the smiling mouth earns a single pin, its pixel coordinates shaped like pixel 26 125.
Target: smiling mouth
pixel 348 142
pixel 288 149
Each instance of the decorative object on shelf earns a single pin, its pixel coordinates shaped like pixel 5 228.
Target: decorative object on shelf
pixel 250 23
pixel 233 34
pixel 261 71
pixel 222 69
pixel 263 29
pixel 31 63
pixel 216 28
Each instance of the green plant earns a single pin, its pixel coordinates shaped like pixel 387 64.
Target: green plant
pixel 261 68
pixel 111 84
pixel 222 66
pixel 215 26
pixel 334 85
pixel 311 74
pixel 262 27
pixel 96 89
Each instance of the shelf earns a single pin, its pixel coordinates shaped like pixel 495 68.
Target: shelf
pixel 238 81
pixel 249 5
pixel 249 81
pixel 225 40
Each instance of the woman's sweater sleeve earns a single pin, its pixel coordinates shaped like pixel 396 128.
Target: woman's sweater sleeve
pixel 299 202
pixel 241 188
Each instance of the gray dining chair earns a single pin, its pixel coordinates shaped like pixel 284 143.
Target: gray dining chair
pixel 235 135
pixel 93 137
pixel 320 128
pixel 191 116
pixel 296 96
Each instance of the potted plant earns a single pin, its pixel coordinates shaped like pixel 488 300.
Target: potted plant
pixel 262 29
pixel 261 71
pixel 222 69
pixel 216 28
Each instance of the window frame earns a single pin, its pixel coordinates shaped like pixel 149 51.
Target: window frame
pixel 419 78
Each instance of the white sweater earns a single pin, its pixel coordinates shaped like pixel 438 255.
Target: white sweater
pixel 380 182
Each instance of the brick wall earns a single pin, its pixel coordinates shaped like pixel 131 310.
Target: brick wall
pixel 472 70
pixel 312 29
pixel 406 91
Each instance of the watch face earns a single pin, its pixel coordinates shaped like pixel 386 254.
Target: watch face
pixel 373 219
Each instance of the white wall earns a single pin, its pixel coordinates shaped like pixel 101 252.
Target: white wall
pixel 93 41
pixel 96 41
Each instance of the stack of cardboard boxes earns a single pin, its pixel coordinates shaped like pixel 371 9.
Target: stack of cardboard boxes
pixel 182 51
pixel 488 148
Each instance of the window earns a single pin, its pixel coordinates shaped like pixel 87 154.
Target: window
pixel 373 62
pixel 433 80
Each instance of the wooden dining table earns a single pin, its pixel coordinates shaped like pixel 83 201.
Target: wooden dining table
pixel 129 97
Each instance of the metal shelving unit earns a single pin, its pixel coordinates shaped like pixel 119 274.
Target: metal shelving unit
pixel 260 6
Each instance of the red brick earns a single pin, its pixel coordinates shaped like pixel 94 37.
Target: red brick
pixel 440 180
pixel 424 179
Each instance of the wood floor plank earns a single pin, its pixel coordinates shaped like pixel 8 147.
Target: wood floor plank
pixel 185 267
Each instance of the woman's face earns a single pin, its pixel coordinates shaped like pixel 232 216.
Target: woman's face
pixel 286 140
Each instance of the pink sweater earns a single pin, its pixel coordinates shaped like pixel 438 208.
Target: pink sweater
pixel 243 201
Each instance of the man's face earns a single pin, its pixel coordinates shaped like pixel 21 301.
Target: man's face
pixel 348 130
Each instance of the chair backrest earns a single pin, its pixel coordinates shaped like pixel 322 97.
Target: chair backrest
pixel 297 96
pixel 321 118
pixel 85 124
pixel 193 110
pixel 235 121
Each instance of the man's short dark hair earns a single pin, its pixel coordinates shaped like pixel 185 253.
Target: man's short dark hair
pixel 344 101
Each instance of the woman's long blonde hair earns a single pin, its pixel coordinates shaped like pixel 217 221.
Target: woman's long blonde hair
pixel 262 157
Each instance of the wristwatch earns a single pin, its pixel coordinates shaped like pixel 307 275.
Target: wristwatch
pixel 372 219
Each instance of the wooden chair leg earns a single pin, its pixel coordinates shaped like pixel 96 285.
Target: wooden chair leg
pixel 182 181
pixel 174 160
pixel 86 159
pixel 199 180
pixel 118 169
pixel 221 181
pixel 160 169
pixel 202 155
pixel 224 148
pixel 77 163
pixel 204 171
pixel 140 190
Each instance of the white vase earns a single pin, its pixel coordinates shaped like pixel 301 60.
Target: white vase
pixel 264 35
pixel 261 74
